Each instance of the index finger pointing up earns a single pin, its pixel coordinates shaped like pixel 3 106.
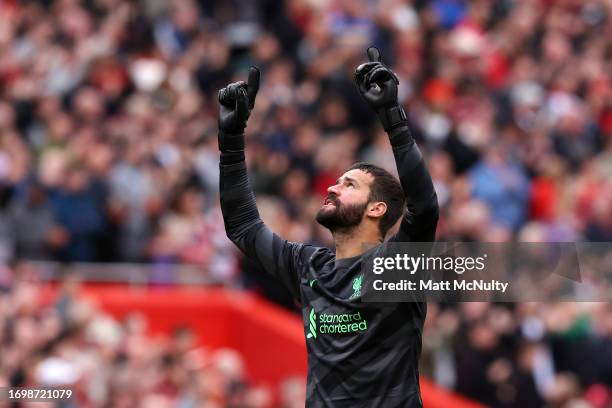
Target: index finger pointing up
pixel 373 54
pixel 253 85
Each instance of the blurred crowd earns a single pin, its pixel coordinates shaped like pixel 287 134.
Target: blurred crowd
pixel 522 355
pixel 108 146
pixel 73 344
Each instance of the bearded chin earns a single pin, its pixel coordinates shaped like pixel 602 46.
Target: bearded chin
pixel 343 218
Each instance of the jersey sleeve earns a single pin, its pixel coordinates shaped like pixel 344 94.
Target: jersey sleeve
pixel 421 216
pixel 283 259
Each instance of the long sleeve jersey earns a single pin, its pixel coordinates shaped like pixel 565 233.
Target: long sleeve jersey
pixel 359 354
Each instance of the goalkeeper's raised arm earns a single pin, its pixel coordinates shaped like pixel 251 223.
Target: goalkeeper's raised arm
pixel 378 86
pixel 242 222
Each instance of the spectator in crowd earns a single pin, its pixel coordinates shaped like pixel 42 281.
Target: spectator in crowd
pixel 34 226
pixel 77 205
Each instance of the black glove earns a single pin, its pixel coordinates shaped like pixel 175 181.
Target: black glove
pixel 235 104
pixel 377 85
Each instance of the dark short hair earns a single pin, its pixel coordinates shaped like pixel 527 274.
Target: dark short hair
pixel 386 188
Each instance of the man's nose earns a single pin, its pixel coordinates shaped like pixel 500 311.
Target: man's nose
pixel 333 189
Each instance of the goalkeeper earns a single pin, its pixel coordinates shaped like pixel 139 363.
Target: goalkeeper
pixel 359 354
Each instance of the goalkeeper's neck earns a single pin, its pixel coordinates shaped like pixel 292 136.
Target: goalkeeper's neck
pixel 357 240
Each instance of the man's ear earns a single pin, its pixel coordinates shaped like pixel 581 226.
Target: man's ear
pixel 376 209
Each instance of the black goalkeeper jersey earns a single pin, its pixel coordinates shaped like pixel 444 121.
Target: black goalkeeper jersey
pixel 359 354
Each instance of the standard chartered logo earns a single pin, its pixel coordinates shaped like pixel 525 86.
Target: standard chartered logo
pixel 312 328
pixel 338 323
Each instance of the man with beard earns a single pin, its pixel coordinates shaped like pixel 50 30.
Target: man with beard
pixel 359 354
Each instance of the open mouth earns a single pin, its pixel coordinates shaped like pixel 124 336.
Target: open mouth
pixel 329 202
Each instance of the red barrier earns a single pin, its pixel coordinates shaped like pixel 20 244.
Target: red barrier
pixel 270 339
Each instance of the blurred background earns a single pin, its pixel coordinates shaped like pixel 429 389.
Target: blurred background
pixel 116 277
